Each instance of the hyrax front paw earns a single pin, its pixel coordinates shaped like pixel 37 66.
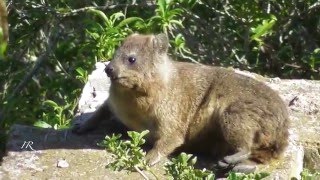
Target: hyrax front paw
pixel 153 157
pixel 78 128
pixel 81 127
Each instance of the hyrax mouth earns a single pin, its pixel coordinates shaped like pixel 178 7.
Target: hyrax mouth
pixel 118 80
pixel 113 78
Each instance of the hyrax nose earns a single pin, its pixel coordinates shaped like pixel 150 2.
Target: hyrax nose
pixel 109 70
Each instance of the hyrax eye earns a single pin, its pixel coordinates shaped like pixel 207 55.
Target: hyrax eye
pixel 131 59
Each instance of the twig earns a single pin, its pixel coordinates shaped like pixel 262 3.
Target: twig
pixel 241 60
pixel 141 172
pixel 293 65
pixel 27 78
pixel 212 8
pixel 314 6
pixel 74 12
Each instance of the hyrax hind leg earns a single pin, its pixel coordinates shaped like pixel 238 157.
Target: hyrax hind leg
pixel 238 130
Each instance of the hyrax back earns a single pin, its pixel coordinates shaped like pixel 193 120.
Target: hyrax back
pixel 202 108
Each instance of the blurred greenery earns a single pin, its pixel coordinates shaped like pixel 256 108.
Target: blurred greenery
pixel 54 44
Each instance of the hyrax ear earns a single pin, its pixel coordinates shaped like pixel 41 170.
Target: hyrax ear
pixel 161 43
pixel 133 35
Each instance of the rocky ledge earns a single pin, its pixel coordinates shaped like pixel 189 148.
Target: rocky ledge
pixel 34 153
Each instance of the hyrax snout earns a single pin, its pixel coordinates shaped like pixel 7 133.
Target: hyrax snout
pixel 200 108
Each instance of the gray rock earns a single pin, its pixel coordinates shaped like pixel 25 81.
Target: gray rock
pixel 86 160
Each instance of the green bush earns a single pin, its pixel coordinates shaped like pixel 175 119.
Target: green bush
pixel 128 154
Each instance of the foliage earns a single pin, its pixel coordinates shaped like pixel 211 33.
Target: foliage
pixel 128 154
pixel 110 34
pixel 58 117
pixel 182 167
pixel 3 45
pixel 307 175
pixel 260 36
pixel 166 16
pixel 241 176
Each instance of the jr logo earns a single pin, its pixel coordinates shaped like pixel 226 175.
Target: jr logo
pixel 27 144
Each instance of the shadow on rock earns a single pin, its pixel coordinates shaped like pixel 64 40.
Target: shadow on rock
pixel 22 138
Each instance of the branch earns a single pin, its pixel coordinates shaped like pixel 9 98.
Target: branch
pixel 43 57
pixel 314 6
pixel 40 60
pixel 109 7
pixel 141 173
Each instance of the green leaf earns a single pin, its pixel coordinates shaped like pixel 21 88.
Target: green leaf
pixel 94 35
pixel 81 71
pixel 242 176
pixel 261 175
pixel 182 167
pixel 50 103
pixel 3 49
pixel 115 17
pixel 128 21
pixel 162 6
pixel 232 176
pixel 177 22
pixel 143 133
pixel 3 45
pixel 137 138
pixel 263 29
pixel 99 13
pixel 193 161
pixel 127 154
pixel 42 124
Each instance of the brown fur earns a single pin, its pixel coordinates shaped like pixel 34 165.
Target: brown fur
pixel 204 109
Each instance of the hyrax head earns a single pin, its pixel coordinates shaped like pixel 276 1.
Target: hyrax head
pixel 136 59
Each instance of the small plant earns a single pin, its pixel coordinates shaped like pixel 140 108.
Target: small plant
pixel 307 175
pixel 111 32
pixel 182 167
pixel 166 16
pixel 82 75
pixel 180 48
pixel 263 29
pixel 251 176
pixel 57 117
pixel 128 154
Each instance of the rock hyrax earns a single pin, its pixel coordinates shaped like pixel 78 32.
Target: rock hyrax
pixel 184 105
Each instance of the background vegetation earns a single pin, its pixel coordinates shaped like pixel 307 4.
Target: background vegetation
pixel 54 44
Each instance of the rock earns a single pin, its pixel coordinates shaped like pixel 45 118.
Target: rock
pixel 85 159
pixel 62 163
pixel 312 158
pixel 34 153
